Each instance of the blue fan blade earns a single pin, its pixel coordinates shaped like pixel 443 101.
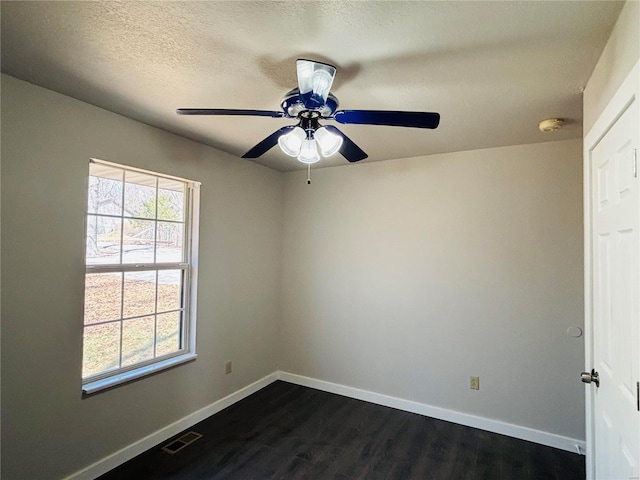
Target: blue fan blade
pixel 388 117
pixel 226 111
pixel 348 150
pixel 267 143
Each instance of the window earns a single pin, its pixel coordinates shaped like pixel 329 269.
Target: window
pixel 139 300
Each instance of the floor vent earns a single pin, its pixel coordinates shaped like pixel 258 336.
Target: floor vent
pixel 179 443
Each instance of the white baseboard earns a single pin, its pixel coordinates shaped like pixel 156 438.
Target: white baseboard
pixel 495 426
pixel 136 448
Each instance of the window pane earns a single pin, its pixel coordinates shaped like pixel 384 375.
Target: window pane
pixel 101 348
pixel 169 290
pixel 103 240
pixel 139 293
pixel 168 333
pixel 139 195
pixel 137 340
pixel 133 315
pixel 170 199
pixel 105 190
pixel 102 297
pixel 138 241
pixel 169 242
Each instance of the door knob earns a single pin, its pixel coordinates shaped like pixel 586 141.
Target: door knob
pixel 587 377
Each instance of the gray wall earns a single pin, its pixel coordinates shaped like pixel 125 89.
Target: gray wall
pixel 48 430
pixel 409 276
pixel 401 277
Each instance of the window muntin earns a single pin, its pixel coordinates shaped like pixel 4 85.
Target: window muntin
pixel 138 270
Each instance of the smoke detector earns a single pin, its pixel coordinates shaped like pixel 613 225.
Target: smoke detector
pixel 551 124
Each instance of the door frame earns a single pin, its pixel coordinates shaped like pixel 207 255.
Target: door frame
pixel 628 91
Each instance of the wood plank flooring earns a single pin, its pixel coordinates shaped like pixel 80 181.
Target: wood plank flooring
pixel 290 432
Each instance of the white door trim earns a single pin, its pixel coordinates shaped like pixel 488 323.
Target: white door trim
pixel 626 94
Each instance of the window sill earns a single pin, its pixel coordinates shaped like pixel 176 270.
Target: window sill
pixel 104 383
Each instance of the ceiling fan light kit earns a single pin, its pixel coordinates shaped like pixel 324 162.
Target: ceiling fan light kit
pixel 311 102
pixel 304 145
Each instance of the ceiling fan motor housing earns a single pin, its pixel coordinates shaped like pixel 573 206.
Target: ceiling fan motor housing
pixel 293 106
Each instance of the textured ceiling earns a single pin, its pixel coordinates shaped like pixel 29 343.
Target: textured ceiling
pixel 491 69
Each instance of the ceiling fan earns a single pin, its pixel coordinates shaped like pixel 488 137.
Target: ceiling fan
pixel 310 103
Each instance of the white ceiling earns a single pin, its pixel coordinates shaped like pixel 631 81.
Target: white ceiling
pixel 493 70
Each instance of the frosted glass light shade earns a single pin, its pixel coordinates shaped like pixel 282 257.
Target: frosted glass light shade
pixel 309 152
pixel 314 82
pixel 292 141
pixel 329 142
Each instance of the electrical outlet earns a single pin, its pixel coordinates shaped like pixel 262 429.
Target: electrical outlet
pixel 474 384
pixel 228 367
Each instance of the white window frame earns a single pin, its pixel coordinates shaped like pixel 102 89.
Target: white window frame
pixel 189 265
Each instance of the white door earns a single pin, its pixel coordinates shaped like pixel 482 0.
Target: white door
pixel 613 275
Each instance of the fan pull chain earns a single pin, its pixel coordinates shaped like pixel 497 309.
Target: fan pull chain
pixel 308 174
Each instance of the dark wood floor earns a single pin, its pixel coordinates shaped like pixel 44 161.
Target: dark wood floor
pixel 285 431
